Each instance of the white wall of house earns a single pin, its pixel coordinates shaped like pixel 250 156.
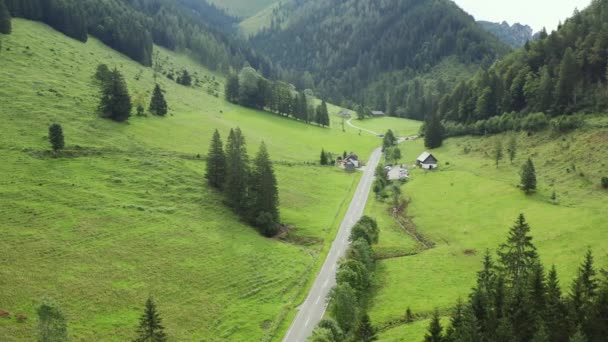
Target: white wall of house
pixel 428 166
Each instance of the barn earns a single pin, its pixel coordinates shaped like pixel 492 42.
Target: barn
pixel 427 161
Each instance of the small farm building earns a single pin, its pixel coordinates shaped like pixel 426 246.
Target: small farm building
pixel 427 161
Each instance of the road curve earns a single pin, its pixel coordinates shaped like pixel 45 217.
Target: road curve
pixel 313 308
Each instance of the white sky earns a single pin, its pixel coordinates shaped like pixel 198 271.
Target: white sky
pixel 536 13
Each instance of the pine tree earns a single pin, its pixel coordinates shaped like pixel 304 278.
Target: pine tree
pixel 115 101
pixel 265 194
pixel 584 289
pixel 567 81
pixel 150 325
pixel 435 330
pixel 528 177
pixel 52 325
pixel 433 134
pixel 512 149
pixel 185 79
pixel 323 114
pixel 456 319
pixel 56 137
pixel 237 172
pixel 498 153
pixel 232 88
pixel 556 313
pixel 5 19
pixel 323 159
pixel 158 105
pixel 366 332
pixel 518 254
pixel 216 162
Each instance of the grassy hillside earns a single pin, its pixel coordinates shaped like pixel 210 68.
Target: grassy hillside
pixel 469 205
pixel 243 8
pixel 125 212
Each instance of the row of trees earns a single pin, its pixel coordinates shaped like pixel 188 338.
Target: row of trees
pixel 251 89
pixel 250 190
pixel 115 101
pixel 561 73
pixel 515 299
pixel 348 299
pixel 132 27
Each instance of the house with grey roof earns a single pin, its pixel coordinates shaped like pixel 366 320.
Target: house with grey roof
pixel 427 161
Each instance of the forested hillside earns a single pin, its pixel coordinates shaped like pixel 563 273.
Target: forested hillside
pixel 363 52
pixel 515 35
pixel 561 73
pixel 133 26
pixel 243 8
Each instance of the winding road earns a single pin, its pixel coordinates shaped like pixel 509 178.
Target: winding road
pixel 313 308
pixel 363 129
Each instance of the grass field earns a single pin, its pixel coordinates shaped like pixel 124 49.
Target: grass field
pixel 125 213
pixel 243 8
pixel 469 204
pixel 401 127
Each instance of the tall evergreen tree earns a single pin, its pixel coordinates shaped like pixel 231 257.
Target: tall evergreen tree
pixel 232 88
pixel 323 114
pixel 567 81
pixel 366 332
pixel 435 331
pixel 512 148
pixel 115 100
pixel 323 159
pixel 52 325
pixel 237 172
pixel 555 315
pixel 56 137
pixel 498 152
pixel 433 134
pixel 265 194
pixel 518 254
pixel 150 325
pixel 528 177
pixel 5 19
pixel 158 105
pixel 216 162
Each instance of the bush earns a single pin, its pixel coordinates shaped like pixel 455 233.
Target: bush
pixel 605 182
pixel 566 123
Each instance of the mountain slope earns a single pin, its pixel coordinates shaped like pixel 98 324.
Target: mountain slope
pixel 124 212
pixel 515 35
pixel 355 43
pixel 561 73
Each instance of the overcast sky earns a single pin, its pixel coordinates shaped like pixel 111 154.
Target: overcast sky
pixel 536 13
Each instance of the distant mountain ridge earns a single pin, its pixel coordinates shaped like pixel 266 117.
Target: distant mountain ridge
pixel 515 35
pixel 364 52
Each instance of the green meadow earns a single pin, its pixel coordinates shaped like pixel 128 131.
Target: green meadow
pixel 401 127
pixel 468 206
pixel 124 212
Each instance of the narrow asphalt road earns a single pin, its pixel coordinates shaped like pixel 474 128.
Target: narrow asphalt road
pixel 312 309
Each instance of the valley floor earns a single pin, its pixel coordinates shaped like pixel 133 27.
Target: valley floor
pixel 468 205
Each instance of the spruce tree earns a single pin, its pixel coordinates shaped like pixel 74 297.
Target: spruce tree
pixel 158 105
pixel 265 194
pixel 150 325
pixel 366 332
pixel 528 177
pixel 498 153
pixel 518 254
pixel 567 81
pixel 323 114
pixel 323 159
pixel 512 149
pixel 56 137
pixel 237 172
pixel 52 325
pixel 115 101
pixel 555 315
pixel 433 134
pixel 232 88
pixel 435 330
pixel 216 162
pixel 456 319
pixel 5 19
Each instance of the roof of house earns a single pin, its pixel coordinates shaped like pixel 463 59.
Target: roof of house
pixel 344 113
pixel 377 112
pixel 424 156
